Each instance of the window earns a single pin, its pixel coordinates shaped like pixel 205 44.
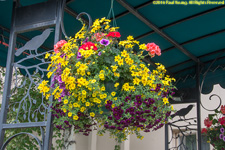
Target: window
pixel 189 142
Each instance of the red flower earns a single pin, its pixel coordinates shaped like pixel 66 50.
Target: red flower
pixel 114 34
pixel 222 109
pixel 204 130
pixel 207 122
pixel 153 49
pixel 88 46
pixel 222 121
pixel 59 45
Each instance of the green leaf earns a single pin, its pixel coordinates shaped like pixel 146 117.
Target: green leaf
pixel 214 121
pixel 211 116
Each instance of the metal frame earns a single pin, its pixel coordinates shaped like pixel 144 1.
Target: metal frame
pixel 55 19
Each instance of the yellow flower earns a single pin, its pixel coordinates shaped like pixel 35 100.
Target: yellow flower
pixel 87 104
pixel 117 58
pixel 130 38
pixel 117 84
pixel 113 93
pixel 136 81
pixel 92 114
pixel 143 47
pixel 102 76
pixel 120 62
pixel 165 100
pixel 101 112
pixel 84 92
pixel 82 109
pixel 70 105
pixel 66 71
pixel 47 96
pixel 65 101
pixel 172 107
pixel 75 105
pixel 114 68
pixel 72 86
pixel 69 114
pixel 124 53
pixel 47 55
pixel 75 117
pixel 103 88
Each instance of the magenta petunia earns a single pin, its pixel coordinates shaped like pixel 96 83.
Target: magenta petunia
pixel 104 42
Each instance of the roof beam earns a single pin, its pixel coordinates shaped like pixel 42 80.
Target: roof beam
pixel 181 20
pixel 136 8
pixel 157 30
pixel 196 39
pixel 191 67
pixel 202 56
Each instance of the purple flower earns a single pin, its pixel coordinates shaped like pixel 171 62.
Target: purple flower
pixel 127 98
pixel 99 53
pixel 104 42
pixel 154 108
pixel 223 138
pixel 138 117
pixel 60 99
pixel 143 120
pixel 138 97
pixel 121 111
pixel 221 130
pixel 128 121
pixel 110 117
pixel 108 106
pixel 168 114
pixel 85 41
pixel 109 102
pixel 119 128
pixel 151 101
pixel 79 56
pixel 106 126
pixel 139 102
pixel 147 111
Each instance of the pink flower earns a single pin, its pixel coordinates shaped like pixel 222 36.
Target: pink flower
pixel 59 45
pixel 207 122
pixel 153 49
pixel 98 36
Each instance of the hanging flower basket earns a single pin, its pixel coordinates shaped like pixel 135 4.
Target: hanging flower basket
pixel 215 129
pixel 97 79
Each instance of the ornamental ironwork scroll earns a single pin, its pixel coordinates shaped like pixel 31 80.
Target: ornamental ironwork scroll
pixel 182 129
pixel 29 66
